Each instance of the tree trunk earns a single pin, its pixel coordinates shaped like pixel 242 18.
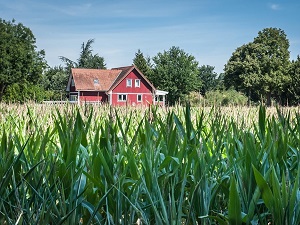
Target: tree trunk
pixel 268 103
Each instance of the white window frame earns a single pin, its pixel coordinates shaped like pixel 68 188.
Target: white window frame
pixel 137 83
pixel 159 98
pixel 122 97
pixel 137 98
pixel 128 82
pixel 73 97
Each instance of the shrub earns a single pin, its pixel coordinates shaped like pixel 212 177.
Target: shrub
pixel 226 98
pixel 24 92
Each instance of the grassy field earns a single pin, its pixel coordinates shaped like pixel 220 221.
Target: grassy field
pixel 101 165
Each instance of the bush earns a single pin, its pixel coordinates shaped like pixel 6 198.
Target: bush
pixel 23 92
pixel 194 98
pixel 226 98
pixel 221 98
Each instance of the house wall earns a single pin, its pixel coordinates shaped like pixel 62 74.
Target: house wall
pixel 93 96
pixel 145 90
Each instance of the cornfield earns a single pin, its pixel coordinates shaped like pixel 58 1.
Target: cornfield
pixel 181 165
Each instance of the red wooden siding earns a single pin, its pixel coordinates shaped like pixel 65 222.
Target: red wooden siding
pixel 92 96
pixel 132 92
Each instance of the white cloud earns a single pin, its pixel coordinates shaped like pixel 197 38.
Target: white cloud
pixel 275 6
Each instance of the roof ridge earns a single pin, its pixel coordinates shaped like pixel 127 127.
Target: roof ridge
pixel 122 67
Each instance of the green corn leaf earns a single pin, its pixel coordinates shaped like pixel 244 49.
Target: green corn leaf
pixel 265 190
pixel 92 210
pixel 221 219
pixel 168 162
pixel 294 204
pixel 279 206
pixel 234 205
pixel 179 126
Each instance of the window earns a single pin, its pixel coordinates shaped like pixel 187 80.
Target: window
pixel 72 82
pixel 73 98
pixel 122 98
pixel 137 83
pixel 96 81
pixel 129 83
pixel 139 98
pixel 159 98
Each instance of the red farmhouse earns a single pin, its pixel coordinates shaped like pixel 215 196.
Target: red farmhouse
pixel 118 86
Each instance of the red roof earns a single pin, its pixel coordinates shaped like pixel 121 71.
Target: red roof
pixel 94 79
pixel 101 80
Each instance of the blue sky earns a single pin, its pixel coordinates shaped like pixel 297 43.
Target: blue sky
pixel 210 30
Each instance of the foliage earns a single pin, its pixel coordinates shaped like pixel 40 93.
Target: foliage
pixel 93 165
pixel 23 92
pixel 218 98
pixel 224 98
pixel 274 62
pixel 194 98
pixel 176 72
pixel 19 60
pixel 260 68
pixel 86 58
pixel 243 70
pixel 294 85
pixel 54 81
pixel 208 79
pixel 143 64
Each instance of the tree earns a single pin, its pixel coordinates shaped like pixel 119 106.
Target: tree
pixel 176 72
pixel 143 64
pixel 23 92
pixel 54 82
pixel 274 62
pixel 242 71
pixel 260 67
pixel 294 86
pixel 86 58
pixel 20 62
pixel 208 78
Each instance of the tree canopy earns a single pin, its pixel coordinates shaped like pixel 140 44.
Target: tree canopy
pixel 86 58
pixel 143 64
pixel 260 68
pixel 294 85
pixel 54 82
pixel 208 78
pixel 175 71
pixel 20 62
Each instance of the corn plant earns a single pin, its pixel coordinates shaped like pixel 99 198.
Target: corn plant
pixel 102 165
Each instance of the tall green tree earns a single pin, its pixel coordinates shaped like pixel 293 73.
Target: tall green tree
pixel 274 62
pixel 20 62
pixel 260 68
pixel 54 82
pixel 208 78
pixel 143 64
pixel 86 58
pixel 294 86
pixel 242 71
pixel 175 71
